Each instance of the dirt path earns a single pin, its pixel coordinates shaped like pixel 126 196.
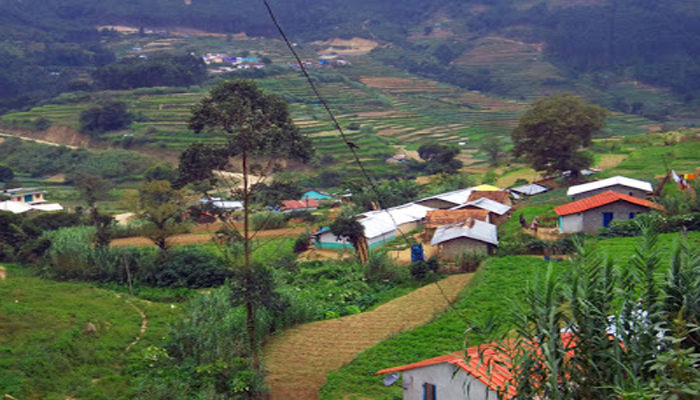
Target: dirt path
pixel 192 238
pixel 142 331
pixel 298 361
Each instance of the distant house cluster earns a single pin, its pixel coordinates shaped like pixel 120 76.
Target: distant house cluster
pixel 236 63
pixel 454 222
pixel 324 61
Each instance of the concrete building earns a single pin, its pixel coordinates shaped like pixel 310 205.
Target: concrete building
pixel 592 213
pixel 437 218
pixel 498 213
pixel 619 184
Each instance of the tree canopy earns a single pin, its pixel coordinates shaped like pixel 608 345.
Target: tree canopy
pixel 553 133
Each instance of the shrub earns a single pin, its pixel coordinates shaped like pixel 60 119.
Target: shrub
pixel 424 270
pixel 469 260
pixel 301 244
pixel 268 220
pixel 192 267
pixel 304 215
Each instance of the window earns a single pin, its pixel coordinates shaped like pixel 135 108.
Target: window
pixel 632 215
pixel 429 391
pixel 631 194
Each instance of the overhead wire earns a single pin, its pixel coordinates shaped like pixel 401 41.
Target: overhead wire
pixel 351 146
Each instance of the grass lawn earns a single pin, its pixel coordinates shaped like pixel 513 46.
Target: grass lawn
pixel 44 351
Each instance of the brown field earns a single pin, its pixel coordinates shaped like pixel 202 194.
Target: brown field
pixel 608 161
pixel 299 359
pixel 499 50
pixel 203 238
pixel 354 46
pixel 528 174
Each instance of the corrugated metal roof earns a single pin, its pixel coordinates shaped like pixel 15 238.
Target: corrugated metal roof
pixel 481 231
pixel 500 196
pixel 457 196
pixel 376 227
pixel 47 207
pixel 602 199
pixel 615 180
pixel 402 214
pixel 530 190
pixel 486 204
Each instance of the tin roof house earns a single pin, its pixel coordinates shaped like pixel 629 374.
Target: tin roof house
pixel 619 184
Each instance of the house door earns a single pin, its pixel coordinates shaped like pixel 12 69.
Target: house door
pixel 607 217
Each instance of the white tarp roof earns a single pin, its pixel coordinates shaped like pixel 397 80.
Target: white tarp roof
pixel 15 207
pixel 530 190
pixel 615 180
pixel 486 204
pixel 227 204
pixel 457 197
pixel 47 207
pixel 481 231
pixel 400 215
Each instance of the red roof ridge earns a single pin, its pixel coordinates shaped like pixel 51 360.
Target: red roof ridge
pixel 601 200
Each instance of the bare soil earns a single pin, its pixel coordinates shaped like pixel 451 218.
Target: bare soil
pixel 192 238
pixel 299 359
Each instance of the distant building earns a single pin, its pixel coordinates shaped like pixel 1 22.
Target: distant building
pixel 27 199
pixel 26 195
pixel 592 213
pixel 315 194
pixel 437 218
pixel 498 212
pixel 447 200
pixel 299 205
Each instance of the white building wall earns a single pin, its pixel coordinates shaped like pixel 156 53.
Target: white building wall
pixel 571 223
pixel 448 384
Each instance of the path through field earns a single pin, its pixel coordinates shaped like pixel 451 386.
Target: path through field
pixel 298 360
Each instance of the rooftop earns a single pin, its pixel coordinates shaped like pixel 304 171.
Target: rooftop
pixel 485 204
pixel 615 180
pixel 436 218
pixel 601 200
pixel 472 229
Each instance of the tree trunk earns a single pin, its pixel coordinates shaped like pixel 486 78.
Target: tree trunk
pixel 363 250
pixel 250 307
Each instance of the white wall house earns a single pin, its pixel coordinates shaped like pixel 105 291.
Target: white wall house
pixel 476 374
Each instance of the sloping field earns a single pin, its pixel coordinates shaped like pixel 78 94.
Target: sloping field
pixel 299 360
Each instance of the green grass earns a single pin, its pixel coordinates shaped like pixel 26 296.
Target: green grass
pixel 623 247
pixel 488 294
pixel 44 352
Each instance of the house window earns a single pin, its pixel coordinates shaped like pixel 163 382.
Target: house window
pixel 631 194
pixel 429 391
pixel 632 215
pixel 607 217
pixel 28 198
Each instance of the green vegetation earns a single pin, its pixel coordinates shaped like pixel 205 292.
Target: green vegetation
pixel 48 349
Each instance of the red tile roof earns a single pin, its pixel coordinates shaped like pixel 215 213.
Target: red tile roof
pixel 299 204
pixel 490 364
pixel 601 200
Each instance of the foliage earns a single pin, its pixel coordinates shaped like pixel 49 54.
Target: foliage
pixel 495 150
pixel 6 174
pixel 382 194
pixel 46 350
pixel 661 223
pixel 422 270
pixel 161 206
pixel 39 160
pixel 348 228
pixel 158 69
pixel 108 116
pixel 274 193
pixel 439 158
pixel 627 322
pixel 268 220
pixel 192 267
pixel 552 132
pixel 469 261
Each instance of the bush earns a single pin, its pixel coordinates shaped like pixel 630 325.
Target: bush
pixel 660 223
pixel 304 215
pixel 421 270
pixel 192 267
pixel 469 260
pixel 268 220
pixel 301 244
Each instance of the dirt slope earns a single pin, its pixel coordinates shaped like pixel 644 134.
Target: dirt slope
pixel 299 360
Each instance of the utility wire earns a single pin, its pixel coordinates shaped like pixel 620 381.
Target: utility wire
pixel 350 145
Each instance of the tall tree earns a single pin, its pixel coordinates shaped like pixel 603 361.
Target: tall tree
pixel 256 124
pixel 93 188
pixel 554 132
pixel 161 206
pixel 495 151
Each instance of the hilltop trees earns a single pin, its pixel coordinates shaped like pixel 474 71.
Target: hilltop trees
pixel 552 134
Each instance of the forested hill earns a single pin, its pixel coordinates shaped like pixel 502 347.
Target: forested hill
pixel 648 40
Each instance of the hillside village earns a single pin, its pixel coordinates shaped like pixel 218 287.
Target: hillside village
pixel 436 207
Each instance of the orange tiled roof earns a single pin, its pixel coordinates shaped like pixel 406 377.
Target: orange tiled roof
pixel 299 204
pixel 502 197
pixel 601 200
pixel 490 364
pixel 436 218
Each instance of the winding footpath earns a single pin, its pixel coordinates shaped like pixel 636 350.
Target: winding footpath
pixel 298 360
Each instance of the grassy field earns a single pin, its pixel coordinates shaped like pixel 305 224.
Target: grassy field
pixel 45 351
